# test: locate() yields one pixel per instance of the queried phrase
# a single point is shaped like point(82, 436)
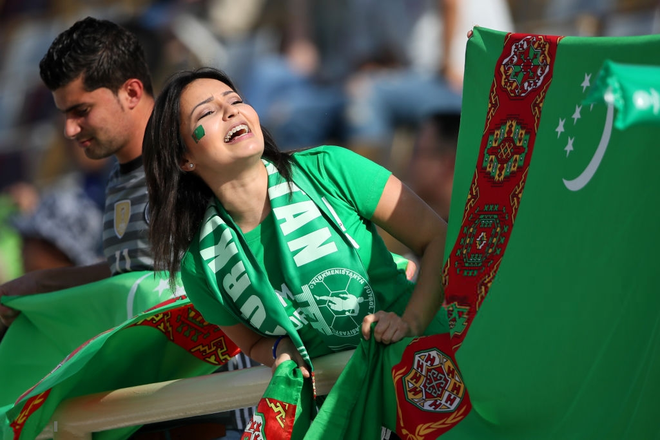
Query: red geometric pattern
point(430, 393)
point(522, 76)
point(186, 327)
point(273, 420)
point(32, 405)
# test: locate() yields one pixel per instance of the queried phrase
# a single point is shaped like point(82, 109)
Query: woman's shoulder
point(328, 157)
point(324, 152)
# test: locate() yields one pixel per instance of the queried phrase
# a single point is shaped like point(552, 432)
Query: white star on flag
point(586, 82)
point(560, 127)
point(576, 115)
point(162, 285)
point(569, 146)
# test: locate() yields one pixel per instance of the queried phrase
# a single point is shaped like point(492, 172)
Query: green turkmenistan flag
point(553, 244)
point(551, 259)
point(552, 253)
point(127, 330)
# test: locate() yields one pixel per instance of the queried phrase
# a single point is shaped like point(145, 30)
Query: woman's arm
point(260, 348)
point(410, 220)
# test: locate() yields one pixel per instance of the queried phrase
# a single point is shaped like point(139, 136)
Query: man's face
point(96, 120)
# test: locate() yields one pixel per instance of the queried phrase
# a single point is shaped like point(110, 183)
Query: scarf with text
point(319, 264)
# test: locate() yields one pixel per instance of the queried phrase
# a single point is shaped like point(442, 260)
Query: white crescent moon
point(580, 181)
point(131, 296)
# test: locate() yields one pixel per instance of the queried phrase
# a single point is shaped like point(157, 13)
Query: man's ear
point(133, 90)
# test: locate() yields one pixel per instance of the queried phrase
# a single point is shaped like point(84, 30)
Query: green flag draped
point(128, 343)
point(552, 244)
point(285, 409)
point(57, 323)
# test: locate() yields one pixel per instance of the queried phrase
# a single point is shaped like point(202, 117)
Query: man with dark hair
point(100, 81)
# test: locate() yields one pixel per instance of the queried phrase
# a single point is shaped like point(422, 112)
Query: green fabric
point(56, 323)
point(565, 344)
point(99, 340)
point(633, 89)
point(359, 412)
point(371, 394)
point(330, 175)
point(285, 409)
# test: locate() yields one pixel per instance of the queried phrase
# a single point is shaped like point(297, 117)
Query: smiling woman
point(231, 131)
point(281, 250)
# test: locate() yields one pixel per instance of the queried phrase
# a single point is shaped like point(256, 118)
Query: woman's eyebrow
point(209, 99)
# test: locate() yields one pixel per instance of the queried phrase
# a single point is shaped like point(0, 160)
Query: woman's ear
point(186, 165)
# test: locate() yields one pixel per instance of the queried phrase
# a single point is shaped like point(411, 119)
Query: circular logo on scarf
point(344, 298)
point(433, 383)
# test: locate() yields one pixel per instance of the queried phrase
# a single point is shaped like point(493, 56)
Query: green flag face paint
point(198, 134)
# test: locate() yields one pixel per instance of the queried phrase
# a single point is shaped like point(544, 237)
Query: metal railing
point(79, 417)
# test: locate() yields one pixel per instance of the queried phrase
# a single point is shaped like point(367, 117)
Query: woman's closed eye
point(206, 113)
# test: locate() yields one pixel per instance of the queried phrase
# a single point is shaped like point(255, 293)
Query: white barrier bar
point(77, 418)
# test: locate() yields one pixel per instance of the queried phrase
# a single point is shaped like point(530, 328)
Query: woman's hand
point(285, 351)
point(390, 327)
point(403, 215)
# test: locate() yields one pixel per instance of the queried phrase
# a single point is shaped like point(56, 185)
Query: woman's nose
point(230, 111)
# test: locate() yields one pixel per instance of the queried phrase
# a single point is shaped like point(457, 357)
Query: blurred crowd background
point(382, 77)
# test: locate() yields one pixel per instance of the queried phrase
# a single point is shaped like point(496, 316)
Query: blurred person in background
point(426, 77)
point(63, 230)
point(296, 83)
point(431, 168)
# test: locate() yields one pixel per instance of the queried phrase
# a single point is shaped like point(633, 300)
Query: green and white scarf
point(319, 264)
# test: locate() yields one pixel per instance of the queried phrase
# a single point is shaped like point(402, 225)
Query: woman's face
point(218, 128)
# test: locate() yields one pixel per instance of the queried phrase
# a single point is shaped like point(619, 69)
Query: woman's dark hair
point(104, 53)
point(178, 200)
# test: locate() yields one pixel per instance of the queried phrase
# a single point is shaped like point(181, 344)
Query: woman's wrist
point(276, 346)
point(414, 324)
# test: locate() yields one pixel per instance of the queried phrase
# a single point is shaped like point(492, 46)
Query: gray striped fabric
point(125, 229)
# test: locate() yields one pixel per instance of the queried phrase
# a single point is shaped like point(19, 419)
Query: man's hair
point(104, 53)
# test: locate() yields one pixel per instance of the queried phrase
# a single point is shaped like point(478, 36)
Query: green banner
point(57, 323)
point(552, 246)
point(99, 337)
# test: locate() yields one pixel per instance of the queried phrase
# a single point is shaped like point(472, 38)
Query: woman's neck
point(246, 198)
